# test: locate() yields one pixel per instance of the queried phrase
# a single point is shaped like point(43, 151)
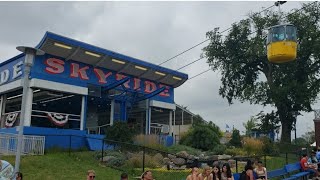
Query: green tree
point(247, 75)
point(309, 137)
point(250, 125)
point(202, 136)
point(268, 122)
point(235, 138)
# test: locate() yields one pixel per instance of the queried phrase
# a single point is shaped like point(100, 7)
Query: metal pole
point(30, 54)
point(143, 158)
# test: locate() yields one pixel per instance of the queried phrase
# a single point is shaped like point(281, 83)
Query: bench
point(277, 173)
point(293, 168)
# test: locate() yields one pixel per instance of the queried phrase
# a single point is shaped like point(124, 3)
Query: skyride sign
point(75, 73)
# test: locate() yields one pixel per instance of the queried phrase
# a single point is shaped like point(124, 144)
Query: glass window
point(278, 33)
point(269, 38)
point(291, 33)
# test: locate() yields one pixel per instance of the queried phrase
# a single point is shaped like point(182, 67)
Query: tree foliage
point(269, 122)
point(235, 138)
point(250, 125)
point(202, 136)
point(246, 74)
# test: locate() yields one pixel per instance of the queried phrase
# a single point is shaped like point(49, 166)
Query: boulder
point(224, 157)
point(107, 158)
point(166, 160)
point(183, 154)
point(179, 161)
point(170, 156)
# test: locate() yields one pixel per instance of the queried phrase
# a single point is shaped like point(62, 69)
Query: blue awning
point(71, 49)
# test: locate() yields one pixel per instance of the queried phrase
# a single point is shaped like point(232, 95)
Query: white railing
point(31, 145)
point(93, 130)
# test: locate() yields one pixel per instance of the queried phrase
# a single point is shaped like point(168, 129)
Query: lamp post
point(30, 53)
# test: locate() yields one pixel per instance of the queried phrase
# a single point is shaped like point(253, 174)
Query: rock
point(179, 161)
point(224, 157)
point(129, 155)
point(170, 156)
point(166, 160)
point(158, 158)
point(191, 157)
point(214, 157)
point(183, 154)
point(107, 158)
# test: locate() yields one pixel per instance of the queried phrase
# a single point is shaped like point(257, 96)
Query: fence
point(135, 159)
point(31, 145)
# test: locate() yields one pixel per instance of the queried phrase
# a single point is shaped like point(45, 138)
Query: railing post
point(143, 158)
point(102, 149)
point(69, 144)
point(236, 165)
point(286, 158)
point(265, 161)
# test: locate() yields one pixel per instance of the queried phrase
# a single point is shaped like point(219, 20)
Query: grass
point(59, 165)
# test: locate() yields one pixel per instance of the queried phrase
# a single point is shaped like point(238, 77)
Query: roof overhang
point(70, 49)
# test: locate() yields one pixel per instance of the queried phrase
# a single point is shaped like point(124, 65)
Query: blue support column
point(123, 113)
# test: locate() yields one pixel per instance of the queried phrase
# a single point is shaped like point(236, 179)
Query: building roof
point(71, 49)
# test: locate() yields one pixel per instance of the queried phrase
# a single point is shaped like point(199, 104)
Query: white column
point(174, 122)
point(3, 100)
point(27, 117)
point(149, 124)
point(112, 112)
point(170, 123)
point(83, 114)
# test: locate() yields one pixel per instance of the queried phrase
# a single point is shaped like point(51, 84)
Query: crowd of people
point(224, 173)
point(311, 164)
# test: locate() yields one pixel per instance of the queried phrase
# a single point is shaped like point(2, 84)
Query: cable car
point(282, 43)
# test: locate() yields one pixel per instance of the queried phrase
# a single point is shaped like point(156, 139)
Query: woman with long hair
point(194, 174)
point(206, 174)
point(249, 170)
point(216, 173)
point(226, 172)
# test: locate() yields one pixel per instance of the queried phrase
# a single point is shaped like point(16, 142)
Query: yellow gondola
point(282, 43)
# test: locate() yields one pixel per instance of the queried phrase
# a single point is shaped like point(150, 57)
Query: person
point(261, 171)
point(313, 160)
point(147, 175)
point(206, 174)
point(91, 174)
point(226, 172)
point(307, 166)
point(194, 174)
point(249, 170)
point(318, 154)
point(6, 170)
point(18, 176)
point(124, 176)
point(216, 173)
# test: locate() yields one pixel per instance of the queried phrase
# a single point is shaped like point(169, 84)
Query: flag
point(227, 126)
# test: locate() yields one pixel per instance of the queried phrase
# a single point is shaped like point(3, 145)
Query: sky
point(150, 31)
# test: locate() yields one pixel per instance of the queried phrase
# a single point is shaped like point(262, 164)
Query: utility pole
point(30, 53)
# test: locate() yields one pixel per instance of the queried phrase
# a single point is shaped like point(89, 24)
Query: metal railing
point(31, 145)
point(93, 130)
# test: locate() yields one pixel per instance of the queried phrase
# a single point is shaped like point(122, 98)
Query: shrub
point(269, 148)
point(201, 136)
point(252, 146)
point(235, 152)
point(236, 139)
point(120, 131)
point(177, 148)
point(136, 161)
point(219, 149)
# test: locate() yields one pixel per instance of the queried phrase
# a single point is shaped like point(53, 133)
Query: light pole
point(30, 53)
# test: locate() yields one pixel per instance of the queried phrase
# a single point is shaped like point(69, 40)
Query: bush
point(120, 131)
point(235, 152)
point(177, 148)
point(136, 161)
point(201, 136)
point(236, 139)
point(269, 148)
point(252, 146)
point(219, 149)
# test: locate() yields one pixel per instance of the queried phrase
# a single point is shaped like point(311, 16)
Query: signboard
point(75, 73)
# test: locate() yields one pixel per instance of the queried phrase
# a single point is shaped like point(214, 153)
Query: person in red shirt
point(308, 167)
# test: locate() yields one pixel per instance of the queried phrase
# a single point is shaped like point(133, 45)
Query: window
point(291, 33)
point(278, 33)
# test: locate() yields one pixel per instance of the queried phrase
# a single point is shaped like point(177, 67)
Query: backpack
point(243, 175)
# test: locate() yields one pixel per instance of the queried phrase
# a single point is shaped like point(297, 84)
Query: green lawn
point(60, 166)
